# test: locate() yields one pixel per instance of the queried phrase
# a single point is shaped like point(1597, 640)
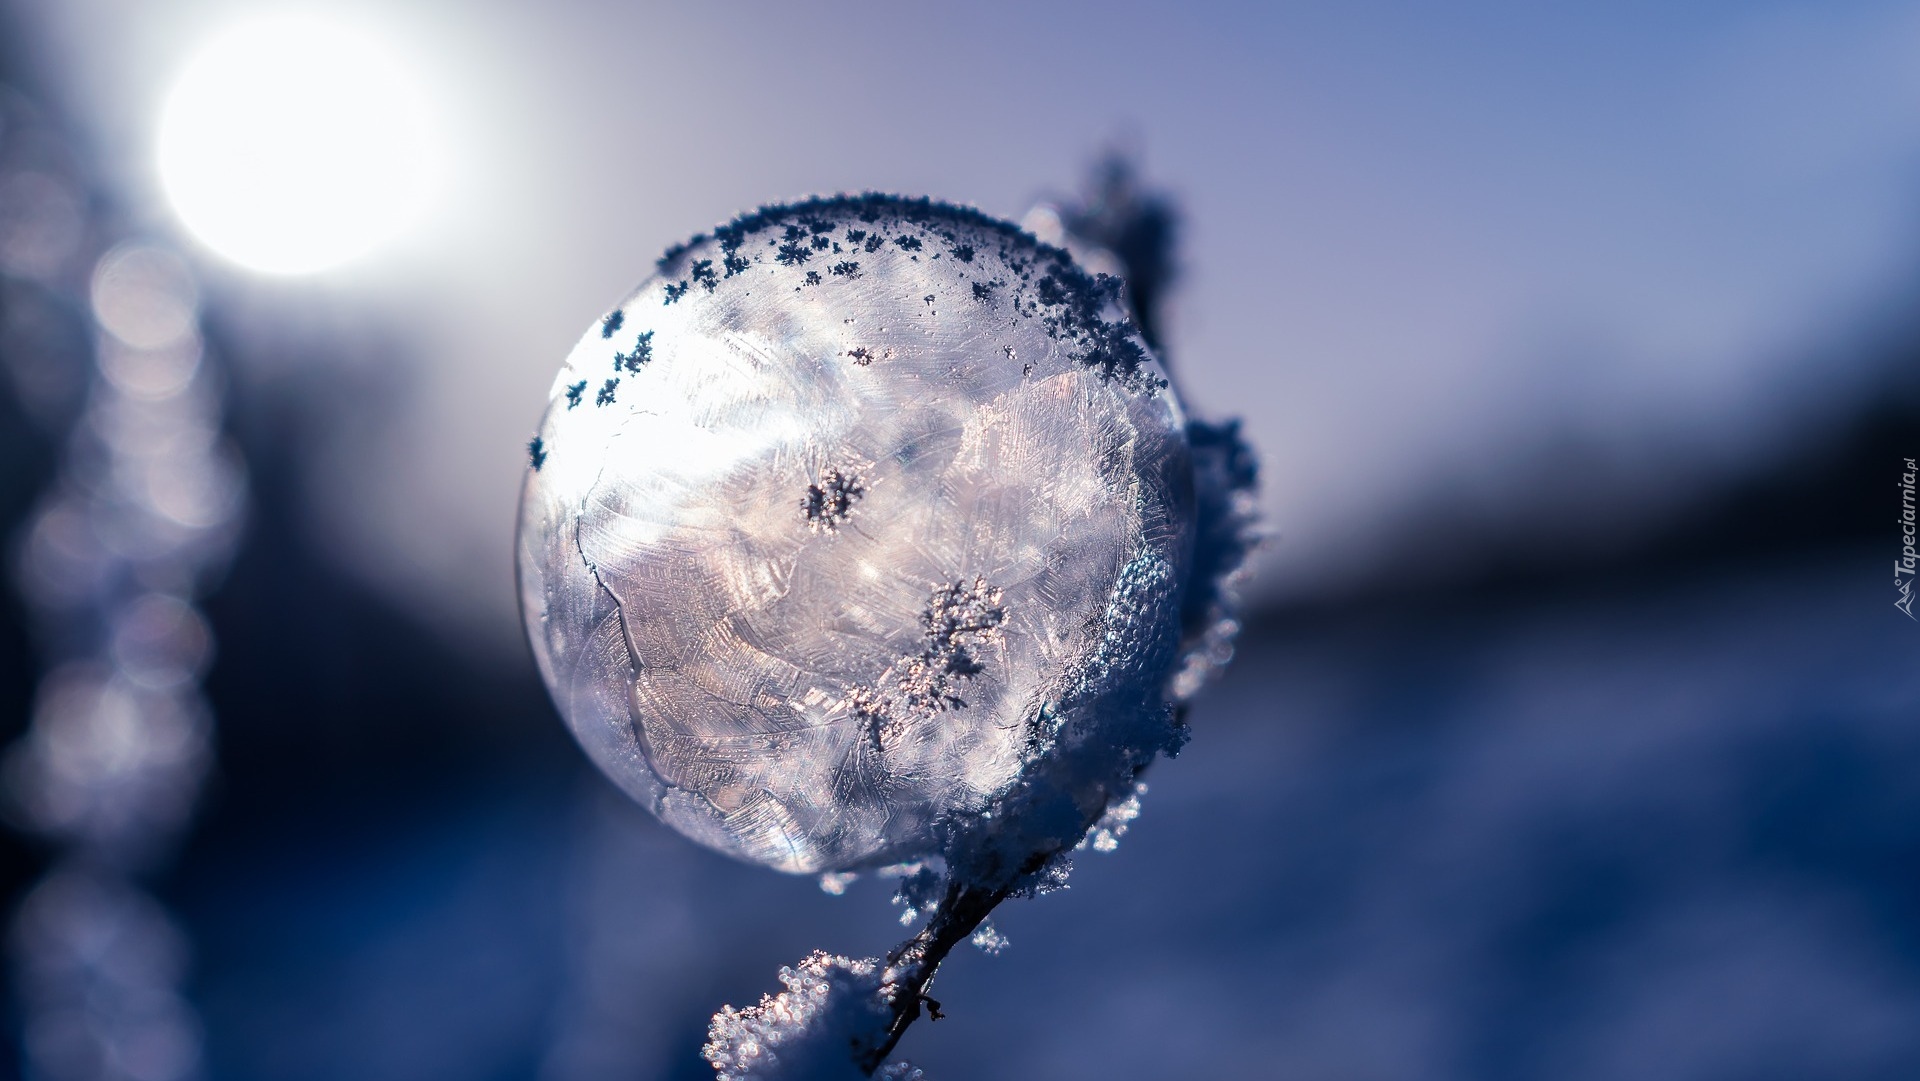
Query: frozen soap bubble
point(861, 532)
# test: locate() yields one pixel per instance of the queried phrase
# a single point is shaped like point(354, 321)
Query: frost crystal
point(919, 892)
point(1106, 833)
point(988, 939)
point(835, 883)
point(879, 547)
point(830, 1004)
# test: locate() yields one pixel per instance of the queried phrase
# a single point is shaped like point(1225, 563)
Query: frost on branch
point(1106, 833)
point(921, 885)
point(834, 1010)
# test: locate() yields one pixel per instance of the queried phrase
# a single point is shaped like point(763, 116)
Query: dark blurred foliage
point(1833, 490)
point(29, 455)
point(1138, 225)
point(333, 700)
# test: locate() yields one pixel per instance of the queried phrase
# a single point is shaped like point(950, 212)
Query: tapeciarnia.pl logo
point(1903, 567)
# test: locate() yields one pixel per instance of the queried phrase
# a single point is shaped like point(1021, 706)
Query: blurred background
point(1575, 730)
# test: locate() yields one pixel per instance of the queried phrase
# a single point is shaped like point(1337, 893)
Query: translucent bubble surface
point(843, 522)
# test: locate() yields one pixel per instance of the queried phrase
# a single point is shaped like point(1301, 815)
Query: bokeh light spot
point(292, 144)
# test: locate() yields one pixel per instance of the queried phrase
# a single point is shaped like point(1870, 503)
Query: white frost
point(831, 1004)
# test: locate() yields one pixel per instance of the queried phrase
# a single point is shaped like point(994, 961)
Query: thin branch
point(911, 965)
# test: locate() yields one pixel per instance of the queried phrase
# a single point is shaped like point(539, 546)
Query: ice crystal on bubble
point(830, 502)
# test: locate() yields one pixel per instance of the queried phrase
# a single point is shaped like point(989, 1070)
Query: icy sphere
point(862, 520)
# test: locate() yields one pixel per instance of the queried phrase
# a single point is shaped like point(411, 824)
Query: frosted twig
point(912, 964)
